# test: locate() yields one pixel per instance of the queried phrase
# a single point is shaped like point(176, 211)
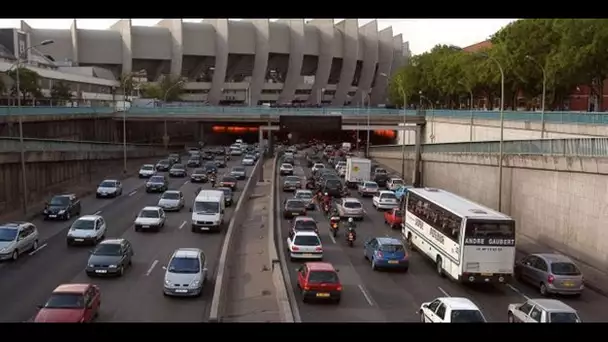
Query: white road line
point(97, 212)
point(151, 267)
point(186, 182)
point(37, 249)
point(444, 291)
point(132, 193)
point(182, 225)
point(333, 239)
point(368, 298)
point(514, 289)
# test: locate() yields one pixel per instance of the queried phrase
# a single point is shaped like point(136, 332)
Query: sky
point(422, 34)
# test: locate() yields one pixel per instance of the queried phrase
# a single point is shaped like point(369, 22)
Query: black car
point(208, 155)
point(163, 165)
point(220, 162)
point(381, 176)
point(62, 207)
point(210, 167)
point(178, 170)
point(227, 195)
point(229, 182)
point(157, 184)
point(199, 176)
point(293, 207)
point(333, 187)
point(194, 162)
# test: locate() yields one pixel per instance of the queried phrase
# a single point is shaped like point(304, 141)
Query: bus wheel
point(439, 266)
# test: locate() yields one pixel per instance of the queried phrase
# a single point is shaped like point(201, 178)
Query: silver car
point(542, 311)
point(551, 273)
point(171, 200)
point(17, 238)
point(109, 188)
point(248, 161)
point(238, 172)
point(186, 273)
point(305, 196)
point(368, 189)
point(350, 207)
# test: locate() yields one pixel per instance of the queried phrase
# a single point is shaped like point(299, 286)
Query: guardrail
point(583, 147)
point(47, 110)
point(12, 144)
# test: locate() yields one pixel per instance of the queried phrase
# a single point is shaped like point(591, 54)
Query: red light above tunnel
point(234, 129)
point(386, 133)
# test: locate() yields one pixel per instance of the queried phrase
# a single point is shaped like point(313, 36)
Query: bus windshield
point(490, 232)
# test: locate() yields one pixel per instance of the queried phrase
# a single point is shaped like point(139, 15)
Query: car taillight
point(379, 254)
point(339, 288)
point(319, 249)
point(294, 248)
point(550, 279)
point(306, 288)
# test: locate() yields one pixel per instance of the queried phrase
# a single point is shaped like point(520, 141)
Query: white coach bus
point(467, 241)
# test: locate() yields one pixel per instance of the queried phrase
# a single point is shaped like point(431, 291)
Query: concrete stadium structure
point(250, 61)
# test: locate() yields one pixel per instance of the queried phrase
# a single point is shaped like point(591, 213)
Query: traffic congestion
point(363, 245)
point(124, 252)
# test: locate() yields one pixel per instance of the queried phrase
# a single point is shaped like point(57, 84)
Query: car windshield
point(287, 166)
point(227, 191)
point(323, 277)
point(379, 170)
point(307, 240)
point(333, 183)
point(65, 301)
point(295, 205)
point(565, 269)
point(206, 207)
point(371, 185)
point(107, 184)
point(229, 180)
point(198, 172)
point(171, 195)
point(59, 201)
point(319, 166)
point(306, 225)
point(173, 155)
point(157, 179)
point(397, 181)
point(564, 317)
point(8, 234)
point(304, 195)
point(352, 205)
point(107, 249)
point(149, 214)
point(84, 225)
point(238, 169)
point(392, 248)
point(184, 265)
point(148, 168)
point(164, 162)
point(292, 179)
point(388, 196)
point(467, 316)
point(178, 166)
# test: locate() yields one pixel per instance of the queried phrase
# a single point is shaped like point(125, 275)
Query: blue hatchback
point(386, 252)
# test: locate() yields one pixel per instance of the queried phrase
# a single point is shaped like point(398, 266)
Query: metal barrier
point(584, 147)
point(11, 144)
point(44, 110)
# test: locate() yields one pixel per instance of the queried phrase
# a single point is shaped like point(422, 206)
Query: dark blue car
point(386, 252)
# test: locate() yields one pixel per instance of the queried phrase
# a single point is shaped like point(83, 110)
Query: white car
point(109, 188)
point(385, 200)
point(147, 171)
point(248, 161)
point(150, 218)
point(450, 310)
point(235, 152)
point(340, 163)
point(305, 245)
point(286, 169)
point(317, 166)
point(394, 184)
point(88, 229)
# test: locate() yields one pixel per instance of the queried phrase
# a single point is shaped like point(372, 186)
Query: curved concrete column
point(260, 62)
point(350, 50)
point(326, 57)
point(296, 58)
point(369, 35)
point(221, 60)
point(124, 27)
point(385, 61)
point(177, 44)
point(398, 57)
point(74, 36)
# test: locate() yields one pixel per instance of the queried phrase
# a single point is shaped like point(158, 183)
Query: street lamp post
point(21, 143)
point(404, 94)
point(166, 135)
point(502, 126)
point(123, 83)
point(468, 88)
point(364, 96)
point(422, 97)
point(542, 102)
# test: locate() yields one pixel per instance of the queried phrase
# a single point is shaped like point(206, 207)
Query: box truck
point(357, 170)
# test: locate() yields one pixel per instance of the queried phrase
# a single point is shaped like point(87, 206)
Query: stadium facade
point(224, 61)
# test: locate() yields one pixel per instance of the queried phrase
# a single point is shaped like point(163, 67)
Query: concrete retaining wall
point(561, 202)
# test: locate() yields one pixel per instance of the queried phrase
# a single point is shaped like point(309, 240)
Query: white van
point(208, 211)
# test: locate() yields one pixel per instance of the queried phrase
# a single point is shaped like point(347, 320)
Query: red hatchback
point(71, 303)
point(319, 280)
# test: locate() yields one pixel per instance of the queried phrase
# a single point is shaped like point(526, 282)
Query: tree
point(169, 88)
point(61, 91)
point(28, 82)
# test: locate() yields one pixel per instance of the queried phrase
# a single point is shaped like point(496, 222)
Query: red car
point(394, 218)
point(71, 303)
point(319, 280)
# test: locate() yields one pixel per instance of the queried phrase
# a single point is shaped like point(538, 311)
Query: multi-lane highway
point(385, 296)
point(137, 296)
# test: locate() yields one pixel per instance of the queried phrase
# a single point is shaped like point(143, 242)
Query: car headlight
point(91, 265)
point(195, 283)
point(112, 266)
point(4, 249)
point(61, 212)
point(167, 282)
point(45, 211)
point(216, 222)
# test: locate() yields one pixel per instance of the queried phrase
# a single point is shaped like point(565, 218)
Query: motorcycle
point(350, 238)
point(326, 208)
point(212, 181)
point(310, 185)
point(334, 224)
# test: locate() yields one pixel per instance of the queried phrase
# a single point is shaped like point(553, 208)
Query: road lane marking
point(151, 267)
point(333, 239)
point(186, 182)
point(368, 298)
point(514, 289)
point(132, 193)
point(182, 225)
point(37, 249)
point(97, 212)
point(444, 291)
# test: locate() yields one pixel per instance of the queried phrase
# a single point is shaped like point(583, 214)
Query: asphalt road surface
point(391, 296)
point(135, 297)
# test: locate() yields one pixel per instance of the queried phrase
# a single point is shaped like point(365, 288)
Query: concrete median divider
point(219, 290)
point(278, 277)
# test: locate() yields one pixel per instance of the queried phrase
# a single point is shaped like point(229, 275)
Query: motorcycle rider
point(351, 228)
point(212, 179)
point(310, 182)
point(327, 201)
